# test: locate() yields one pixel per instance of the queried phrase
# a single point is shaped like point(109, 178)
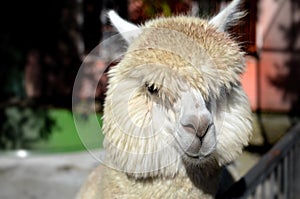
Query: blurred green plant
point(23, 126)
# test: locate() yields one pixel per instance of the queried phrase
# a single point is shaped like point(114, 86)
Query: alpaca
point(175, 112)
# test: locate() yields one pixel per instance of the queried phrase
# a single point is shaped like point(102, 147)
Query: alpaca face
point(153, 119)
point(175, 98)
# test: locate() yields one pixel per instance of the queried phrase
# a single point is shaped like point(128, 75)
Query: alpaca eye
point(152, 89)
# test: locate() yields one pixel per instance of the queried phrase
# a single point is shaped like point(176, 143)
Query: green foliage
point(22, 126)
point(49, 130)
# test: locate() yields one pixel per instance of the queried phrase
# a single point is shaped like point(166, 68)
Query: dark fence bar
point(276, 175)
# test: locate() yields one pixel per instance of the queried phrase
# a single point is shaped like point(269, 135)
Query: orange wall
point(279, 57)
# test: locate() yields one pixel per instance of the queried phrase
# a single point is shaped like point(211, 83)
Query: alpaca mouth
point(200, 144)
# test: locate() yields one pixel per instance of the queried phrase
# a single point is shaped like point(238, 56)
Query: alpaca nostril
point(190, 123)
point(201, 135)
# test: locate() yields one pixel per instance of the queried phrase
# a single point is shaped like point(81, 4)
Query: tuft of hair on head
point(229, 16)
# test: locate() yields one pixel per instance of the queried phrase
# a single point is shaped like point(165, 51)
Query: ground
point(56, 176)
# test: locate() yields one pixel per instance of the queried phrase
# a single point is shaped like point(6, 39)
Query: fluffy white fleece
point(175, 111)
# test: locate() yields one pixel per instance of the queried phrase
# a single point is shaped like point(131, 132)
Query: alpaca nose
point(195, 117)
point(197, 123)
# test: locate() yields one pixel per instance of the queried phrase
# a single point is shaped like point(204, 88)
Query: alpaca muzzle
point(196, 130)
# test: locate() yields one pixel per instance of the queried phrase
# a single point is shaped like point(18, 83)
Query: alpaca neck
point(194, 184)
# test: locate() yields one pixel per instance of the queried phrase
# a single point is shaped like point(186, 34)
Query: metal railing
point(276, 175)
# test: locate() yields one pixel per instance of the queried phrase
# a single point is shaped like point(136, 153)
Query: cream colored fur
point(175, 112)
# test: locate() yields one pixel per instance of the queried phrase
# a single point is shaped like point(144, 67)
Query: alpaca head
point(175, 98)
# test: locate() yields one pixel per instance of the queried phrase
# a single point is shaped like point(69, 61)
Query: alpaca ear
point(228, 16)
point(128, 30)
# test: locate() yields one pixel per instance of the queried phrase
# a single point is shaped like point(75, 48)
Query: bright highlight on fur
point(175, 112)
